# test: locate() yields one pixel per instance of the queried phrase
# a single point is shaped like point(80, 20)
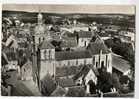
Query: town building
point(95, 53)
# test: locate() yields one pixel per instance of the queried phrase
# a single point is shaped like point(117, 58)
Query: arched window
point(68, 63)
point(43, 38)
point(102, 64)
point(96, 64)
point(85, 61)
point(50, 54)
point(45, 56)
point(39, 40)
point(76, 62)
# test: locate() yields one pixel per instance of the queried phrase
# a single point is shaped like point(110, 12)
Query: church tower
point(40, 18)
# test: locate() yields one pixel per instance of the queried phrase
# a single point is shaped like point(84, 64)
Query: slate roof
point(46, 45)
point(84, 71)
point(67, 55)
point(85, 34)
point(95, 48)
point(120, 64)
point(65, 82)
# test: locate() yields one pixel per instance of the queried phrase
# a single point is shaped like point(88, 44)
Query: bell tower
point(40, 18)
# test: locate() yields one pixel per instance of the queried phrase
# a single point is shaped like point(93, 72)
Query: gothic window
point(50, 54)
point(108, 63)
point(45, 56)
point(93, 60)
point(39, 40)
point(97, 64)
point(76, 62)
point(84, 61)
point(68, 63)
point(85, 43)
point(43, 38)
point(102, 64)
point(24, 69)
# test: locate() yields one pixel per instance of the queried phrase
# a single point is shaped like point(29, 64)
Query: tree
point(124, 79)
point(48, 85)
point(116, 81)
point(76, 92)
point(104, 81)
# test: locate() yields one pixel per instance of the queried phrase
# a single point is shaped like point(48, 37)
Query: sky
point(93, 9)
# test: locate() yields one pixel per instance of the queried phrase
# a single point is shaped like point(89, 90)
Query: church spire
point(40, 18)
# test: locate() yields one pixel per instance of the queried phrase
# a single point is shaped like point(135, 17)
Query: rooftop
point(84, 71)
point(67, 55)
point(46, 45)
point(69, 43)
point(95, 48)
point(85, 34)
point(120, 64)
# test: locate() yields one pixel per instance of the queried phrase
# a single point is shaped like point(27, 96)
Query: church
point(94, 52)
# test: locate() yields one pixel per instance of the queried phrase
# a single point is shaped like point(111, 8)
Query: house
point(87, 77)
point(127, 36)
point(10, 57)
point(26, 71)
point(84, 38)
point(68, 43)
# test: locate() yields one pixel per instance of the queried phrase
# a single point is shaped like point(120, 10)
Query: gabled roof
point(46, 45)
point(84, 71)
point(67, 55)
point(85, 34)
point(95, 48)
point(65, 82)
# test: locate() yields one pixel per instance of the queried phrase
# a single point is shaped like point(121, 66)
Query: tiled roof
point(84, 71)
point(85, 34)
point(65, 82)
point(46, 45)
point(67, 55)
point(95, 48)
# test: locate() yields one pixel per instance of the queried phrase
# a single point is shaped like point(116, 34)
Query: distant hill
point(119, 19)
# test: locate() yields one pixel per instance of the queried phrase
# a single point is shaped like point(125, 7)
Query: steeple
point(40, 18)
